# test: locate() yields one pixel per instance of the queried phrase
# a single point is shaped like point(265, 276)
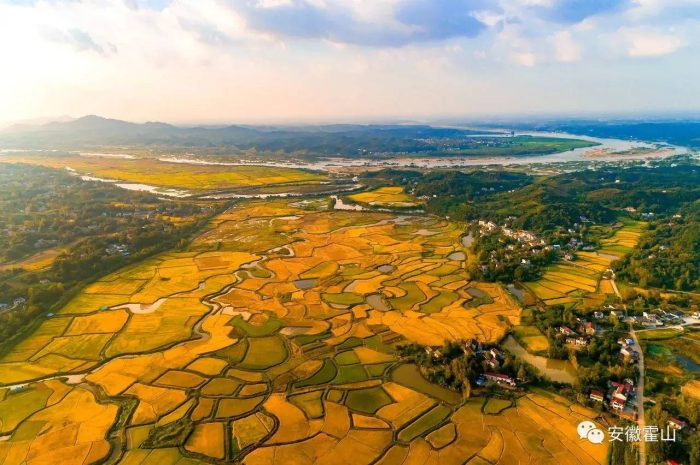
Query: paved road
point(639, 399)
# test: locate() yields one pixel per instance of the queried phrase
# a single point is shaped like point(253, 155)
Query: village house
point(617, 404)
point(676, 423)
point(492, 361)
point(621, 392)
point(588, 327)
point(597, 396)
point(578, 341)
point(629, 352)
point(499, 378)
point(566, 331)
point(473, 345)
point(433, 352)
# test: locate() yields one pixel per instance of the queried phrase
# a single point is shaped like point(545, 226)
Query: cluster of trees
point(599, 362)
point(42, 208)
point(453, 369)
point(349, 140)
point(504, 259)
point(463, 186)
point(667, 256)
point(84, 218)
point(686, 447)
point(547, 321)
point(457, 370)
point(555, 202)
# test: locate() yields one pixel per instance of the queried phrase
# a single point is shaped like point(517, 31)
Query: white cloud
point(201, 60)
point(525, 58)
point(565, 48)
point(647, 43)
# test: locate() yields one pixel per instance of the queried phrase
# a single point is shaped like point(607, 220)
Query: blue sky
point(335, 60)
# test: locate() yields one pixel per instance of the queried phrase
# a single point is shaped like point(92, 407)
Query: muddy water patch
point(340, 205)
point(457, 256)
point(293, 330)
point(560, 371)
point(467, 240)
point(386, 269)
point(425, 232)
point(517, 292)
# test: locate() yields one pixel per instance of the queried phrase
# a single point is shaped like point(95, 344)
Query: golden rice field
point(385, 196)
point(276, 351)
point(580, 280)
point(37, 262)
point(692, 389)
point(177, 175)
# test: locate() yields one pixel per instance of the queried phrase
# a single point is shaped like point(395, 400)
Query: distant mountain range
point(345, 139)
point(338, 139)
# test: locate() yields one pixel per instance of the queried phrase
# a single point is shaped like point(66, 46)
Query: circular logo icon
point(596, 436)
point(584, 427)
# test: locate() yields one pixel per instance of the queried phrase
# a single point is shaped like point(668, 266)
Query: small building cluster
point(17, 302)
point(627, 352)
point(493, 358)
point(618, 395)
point(497, 378)
point(117, 249)
point(521, 235)
point(581, 337)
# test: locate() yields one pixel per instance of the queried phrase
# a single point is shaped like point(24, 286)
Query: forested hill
point(58, 232)
point(668, 255)
point(346, 140)
point(666, 196)
point(545, 203)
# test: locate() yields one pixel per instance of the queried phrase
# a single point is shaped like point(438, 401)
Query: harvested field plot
point(385, 196)
point(174, 175)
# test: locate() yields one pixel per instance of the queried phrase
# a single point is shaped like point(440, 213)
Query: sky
point(258, 61)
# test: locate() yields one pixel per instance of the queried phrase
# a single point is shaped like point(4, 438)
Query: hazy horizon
point(315, 61)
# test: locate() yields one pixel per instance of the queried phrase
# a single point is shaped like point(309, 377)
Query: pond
point(457, 256)
point(517, 292)
point(386, 269)
point(467, 240)
point(560, 371)
point(340, 205)
point(687, 363)
point(305, 283)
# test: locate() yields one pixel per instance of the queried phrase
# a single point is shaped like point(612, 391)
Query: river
point(326, 164)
